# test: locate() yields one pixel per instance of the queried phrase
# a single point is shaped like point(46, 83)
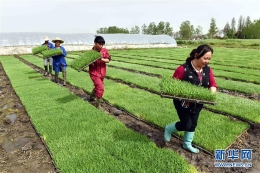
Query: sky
point(86, 16)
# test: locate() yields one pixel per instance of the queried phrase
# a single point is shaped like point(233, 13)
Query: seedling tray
point(189, 100)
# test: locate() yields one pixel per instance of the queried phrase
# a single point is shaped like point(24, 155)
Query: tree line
point(151, 29)
point(245, 28)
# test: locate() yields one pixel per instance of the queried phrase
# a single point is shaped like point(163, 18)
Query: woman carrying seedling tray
point(197, 72)
point(59, 62)
point(97, 70)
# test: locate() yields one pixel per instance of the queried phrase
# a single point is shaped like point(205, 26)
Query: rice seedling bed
point(237, 86)
point(217, 73)
point(77, 133)
point(142, 107)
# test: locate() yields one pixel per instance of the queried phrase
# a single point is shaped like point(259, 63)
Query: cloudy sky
point(87, 15)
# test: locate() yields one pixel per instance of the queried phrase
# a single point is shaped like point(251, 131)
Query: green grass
point(218, 73)
point(243, 87)
point(248, 109)
point(82, 138)
point(51, 52)
point(230, 43)
point(39, 49)
point(153, 108)
point(85, 59)
point(254, 72)
point(246, 58)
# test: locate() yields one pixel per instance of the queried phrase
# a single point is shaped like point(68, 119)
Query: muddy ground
point(21, 150)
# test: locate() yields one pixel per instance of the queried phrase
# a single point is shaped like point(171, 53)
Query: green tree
point(112, 30)
point(102, 31)
point(135, 30)
point(227, 31)
point(240, 27)
point(177, 35)
point(152, 29)
point(233, 27)
point(253, 30)
point(186, 30)
point(144, 29)
point(198, 31)
point(248, 22)
point(160, 28)
point(168, 29)
point(213, 29)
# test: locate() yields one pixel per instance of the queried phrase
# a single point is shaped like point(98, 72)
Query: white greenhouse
point(22, 43)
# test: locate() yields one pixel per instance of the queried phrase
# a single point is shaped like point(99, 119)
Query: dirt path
point(21, 150)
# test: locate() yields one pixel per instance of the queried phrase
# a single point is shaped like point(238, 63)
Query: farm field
point(72, 126)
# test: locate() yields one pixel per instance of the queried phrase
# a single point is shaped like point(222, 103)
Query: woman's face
point(205, 59)
point(57, 44)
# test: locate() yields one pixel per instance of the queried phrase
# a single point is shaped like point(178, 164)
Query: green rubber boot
point(64, 77)
point(169, 129)
point(97, 103)
point(188, 138)
point(50, 70)
point(46, 70)
point(56, 77)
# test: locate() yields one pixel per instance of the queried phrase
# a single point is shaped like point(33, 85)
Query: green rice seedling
point(175, 88)
point(39, 49)
point(51, 52)
point(85, 59)
point(113, 146)
point(158, 111)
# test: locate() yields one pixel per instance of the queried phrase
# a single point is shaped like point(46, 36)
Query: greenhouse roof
point(33, 38)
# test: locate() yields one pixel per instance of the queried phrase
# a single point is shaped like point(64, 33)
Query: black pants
point(188, 115)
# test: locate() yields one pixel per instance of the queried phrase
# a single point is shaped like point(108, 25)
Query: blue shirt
point(50, 45)
point(59, 60)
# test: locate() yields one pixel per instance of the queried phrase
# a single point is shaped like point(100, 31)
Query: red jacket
point(98, 68)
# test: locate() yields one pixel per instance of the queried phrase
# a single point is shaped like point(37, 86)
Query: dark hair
point(201, 50)
point(99, 39)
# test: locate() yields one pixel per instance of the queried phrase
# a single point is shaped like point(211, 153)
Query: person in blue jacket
point(47, 61)
point(59, 62)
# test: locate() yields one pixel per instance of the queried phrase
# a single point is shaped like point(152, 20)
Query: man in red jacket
point(97, 70)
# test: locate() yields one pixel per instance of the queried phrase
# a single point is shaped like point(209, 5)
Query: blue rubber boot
point(188, 138)
point(169, 129)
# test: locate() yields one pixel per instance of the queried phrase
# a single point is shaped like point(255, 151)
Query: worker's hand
point(105, 60)
point(213, 89)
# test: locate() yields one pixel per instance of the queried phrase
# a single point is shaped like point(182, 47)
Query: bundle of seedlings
point(85, 60)
point(51, 52)
point(39, 49)
point(182, 90)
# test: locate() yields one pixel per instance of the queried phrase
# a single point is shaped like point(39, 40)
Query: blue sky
point(86, 16)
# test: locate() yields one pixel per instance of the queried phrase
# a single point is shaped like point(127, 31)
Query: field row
point(77, 133)
point(226, 103)
point(159, 69)
point(174, 62)
point(153, 108)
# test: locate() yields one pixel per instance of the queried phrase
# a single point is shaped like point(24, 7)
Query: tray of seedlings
point(39, 49)
point(85, 60)
point(51, 52)
point(182, 90)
